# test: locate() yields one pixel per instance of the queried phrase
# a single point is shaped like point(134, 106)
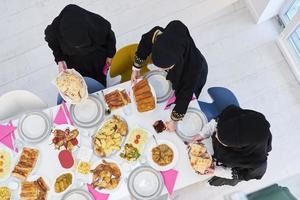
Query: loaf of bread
point(144, 98)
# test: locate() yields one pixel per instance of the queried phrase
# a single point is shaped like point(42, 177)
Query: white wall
point(262, 10)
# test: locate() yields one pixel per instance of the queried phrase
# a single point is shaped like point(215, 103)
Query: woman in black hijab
point(82, 40)
point(241, 142)
point(173, 49)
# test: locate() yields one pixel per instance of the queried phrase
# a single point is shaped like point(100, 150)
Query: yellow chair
point(122, 63)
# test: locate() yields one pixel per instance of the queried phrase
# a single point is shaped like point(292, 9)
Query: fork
point(155, 139)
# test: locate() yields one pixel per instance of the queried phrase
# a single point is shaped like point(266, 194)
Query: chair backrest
point(19, 101)
point(93, 85)
point(122, 63)
point(222, 97)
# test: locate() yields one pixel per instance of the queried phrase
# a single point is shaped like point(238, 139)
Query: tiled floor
point(242, 56)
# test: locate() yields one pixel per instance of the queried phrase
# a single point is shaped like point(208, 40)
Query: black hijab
point(247, 136)
point(74, 27)
point(176, 46)
point(82, 31)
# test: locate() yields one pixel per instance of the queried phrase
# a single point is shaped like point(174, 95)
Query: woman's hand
point(197, 138)
point(135, 75)
point(108, 61)
point(171, 126)
point(62, 66)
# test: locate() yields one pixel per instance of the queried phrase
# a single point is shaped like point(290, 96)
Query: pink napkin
point(97, 195)
point(172, 100)
point(67, 113)
point(170, 177)
point(6, 130)
point(7, 136)
point(60, 117)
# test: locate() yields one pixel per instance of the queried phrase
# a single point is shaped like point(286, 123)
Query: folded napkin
point(170, 177)
point(97, 195)
point(172, 100)
point(60, 117)
point(7, 136)
point(63, 115)
point(67, 113)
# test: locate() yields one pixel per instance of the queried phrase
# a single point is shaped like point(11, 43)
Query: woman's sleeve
point(111, 44)
point(209, 129)
point(52, 40)
point(183, 98)
point(145, 46)
point(247, 174)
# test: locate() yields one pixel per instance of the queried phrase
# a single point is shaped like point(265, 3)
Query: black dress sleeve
point(145, 46)
point(251, 173)
point(111, 44)
point(183, 98)
point(51, 37)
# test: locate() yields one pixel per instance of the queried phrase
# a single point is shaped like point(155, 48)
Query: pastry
point(29, 191)
point(26, 163)
point(143, 96)
point(36, 190)
point(199, 157)
point(117, 99)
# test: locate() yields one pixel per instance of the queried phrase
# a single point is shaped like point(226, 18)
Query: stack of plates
point(88, 113)
point(34, 127)
point(145, 183)
point(191, 125)
point(162, 87)
point(77, 194)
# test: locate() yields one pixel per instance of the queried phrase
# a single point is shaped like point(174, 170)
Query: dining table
point(49, 167)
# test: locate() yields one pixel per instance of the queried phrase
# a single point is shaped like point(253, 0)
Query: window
point(294, 40)
point(289, 11)
point(289, 39)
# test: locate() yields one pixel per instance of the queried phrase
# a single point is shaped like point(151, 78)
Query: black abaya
point(83, 39)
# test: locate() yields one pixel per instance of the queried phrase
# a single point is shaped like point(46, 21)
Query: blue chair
point(222, 97)
point(92, 86)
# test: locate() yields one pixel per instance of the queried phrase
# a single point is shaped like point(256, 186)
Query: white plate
point(156, 166)
point(123, 137)
point(162, 86)
point(77, 194)
point(34, 126)
point(134, 103)
point(145, 183)
point(191, 124)
point(67, 99)
point(121, 178)
point(88, 113)
point(64, 127)
point(10, 167)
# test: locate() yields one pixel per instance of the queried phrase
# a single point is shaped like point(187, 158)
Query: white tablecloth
point(49, 167)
